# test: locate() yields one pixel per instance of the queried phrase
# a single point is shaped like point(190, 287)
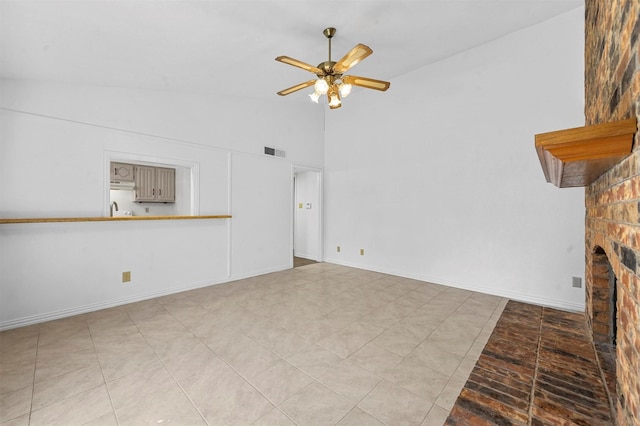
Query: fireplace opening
point(603, 321)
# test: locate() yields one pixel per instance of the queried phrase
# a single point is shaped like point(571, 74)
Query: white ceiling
point(220, 46)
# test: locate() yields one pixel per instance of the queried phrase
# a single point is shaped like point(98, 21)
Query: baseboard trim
point(540, 301)
point(63, 313)
point(261, 272)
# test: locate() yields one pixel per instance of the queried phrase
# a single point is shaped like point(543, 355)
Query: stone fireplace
point(612, 93)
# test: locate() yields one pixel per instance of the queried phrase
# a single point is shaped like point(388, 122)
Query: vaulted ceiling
point(228, 47)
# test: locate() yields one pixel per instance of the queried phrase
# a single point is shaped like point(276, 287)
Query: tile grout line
point(203, 341)
point(535, 372)
point(33, 383)
point(316, 380)
point(95, 351)
point(610, 399)
point(234, 369)
point(162, 361)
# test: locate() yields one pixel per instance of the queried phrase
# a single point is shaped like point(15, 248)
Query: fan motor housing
point(327, 69)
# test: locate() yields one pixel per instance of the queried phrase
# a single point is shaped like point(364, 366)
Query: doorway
point(307, 216)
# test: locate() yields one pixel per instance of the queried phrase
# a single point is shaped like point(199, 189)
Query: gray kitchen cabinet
point(155, 184)
point(165, 185)
point(121, 172)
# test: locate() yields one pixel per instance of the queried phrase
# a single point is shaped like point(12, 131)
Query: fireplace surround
point(612, 201)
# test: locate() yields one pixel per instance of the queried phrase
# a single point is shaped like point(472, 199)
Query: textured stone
point(628, 258)
point(612, 92)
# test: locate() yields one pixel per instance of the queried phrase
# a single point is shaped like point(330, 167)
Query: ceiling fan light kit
point(331, 80)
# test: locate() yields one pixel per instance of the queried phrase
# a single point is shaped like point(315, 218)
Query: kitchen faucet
point(113, 203)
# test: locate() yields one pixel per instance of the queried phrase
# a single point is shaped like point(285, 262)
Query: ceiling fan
point(331, 80)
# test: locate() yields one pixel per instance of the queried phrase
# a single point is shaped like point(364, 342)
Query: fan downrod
point(328, 33)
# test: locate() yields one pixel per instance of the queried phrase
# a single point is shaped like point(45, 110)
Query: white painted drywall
point(438, 178)
point(54, 142)
point(307, 229)
point(261, 227)
point(234, 124)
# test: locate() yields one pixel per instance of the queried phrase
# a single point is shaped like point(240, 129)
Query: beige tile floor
point(318, 345)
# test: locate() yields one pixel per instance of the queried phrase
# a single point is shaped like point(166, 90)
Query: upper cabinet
point(165, 184)
point(121, 172)
point(155, 184)
point(145, 189)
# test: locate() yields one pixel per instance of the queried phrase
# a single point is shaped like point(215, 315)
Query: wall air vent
point(274, 152)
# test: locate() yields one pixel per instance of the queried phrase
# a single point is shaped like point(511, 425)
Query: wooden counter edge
point(108, 219)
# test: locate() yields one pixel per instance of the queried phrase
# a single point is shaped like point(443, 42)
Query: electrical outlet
point(126, 276)
point(338, 249)
point(361, 252)
point(577, 282)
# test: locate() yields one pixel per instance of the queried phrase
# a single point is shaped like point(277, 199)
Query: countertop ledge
point(109, 219)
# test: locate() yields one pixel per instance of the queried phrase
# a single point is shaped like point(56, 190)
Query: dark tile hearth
point(607, 357)
point(538, 368)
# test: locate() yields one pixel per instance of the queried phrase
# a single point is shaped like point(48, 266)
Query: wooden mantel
point(578, 156)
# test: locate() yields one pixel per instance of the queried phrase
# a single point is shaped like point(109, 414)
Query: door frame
point(305, 169)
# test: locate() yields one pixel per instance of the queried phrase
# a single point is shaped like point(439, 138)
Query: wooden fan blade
point(354, 56)
point(299, 64)
point(296, 87)
point(369, 83)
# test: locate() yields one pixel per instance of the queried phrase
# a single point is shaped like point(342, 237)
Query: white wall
point(438, 178)
point(262, 222)
point(307, 229)
point(54, 141)
point(234, 124)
